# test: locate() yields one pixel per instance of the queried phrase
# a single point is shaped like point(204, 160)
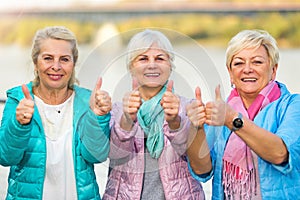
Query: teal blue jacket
point(23, 147)
point(281, 117)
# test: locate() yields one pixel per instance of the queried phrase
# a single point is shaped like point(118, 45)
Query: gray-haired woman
point(150, 129)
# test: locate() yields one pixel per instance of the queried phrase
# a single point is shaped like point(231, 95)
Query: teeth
point(152, 74)
point(55, 76)
point(249, 79)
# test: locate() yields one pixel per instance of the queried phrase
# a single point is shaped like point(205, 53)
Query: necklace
point(47, 100)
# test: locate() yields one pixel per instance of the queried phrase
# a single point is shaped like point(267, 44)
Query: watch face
point(238, 123)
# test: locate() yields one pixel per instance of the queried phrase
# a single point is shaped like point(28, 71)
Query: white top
point(57, 121)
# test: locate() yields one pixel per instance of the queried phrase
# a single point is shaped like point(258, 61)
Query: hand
point(216, 110)
point(170, 103)
point(196, 110)
point(25, 108)
point(100, 101)
point(131, 103)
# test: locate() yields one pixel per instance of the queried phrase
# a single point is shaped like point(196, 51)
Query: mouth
point(55, 76)
point(252, 80)
point(150, 75)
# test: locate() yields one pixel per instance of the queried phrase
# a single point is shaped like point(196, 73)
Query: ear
point(131, 71)
point(274, 71)
point(135, 84)
point(230, 75)
point(172, 66)
point(35, 70)
point(171, 69)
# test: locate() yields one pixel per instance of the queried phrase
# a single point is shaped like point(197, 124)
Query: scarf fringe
point(237, 181)
point(239, 173)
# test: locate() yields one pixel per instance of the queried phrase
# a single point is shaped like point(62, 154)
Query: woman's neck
point(147, 93)
point(52, 97)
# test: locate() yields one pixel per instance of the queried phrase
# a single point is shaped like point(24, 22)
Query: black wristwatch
point(237, 122)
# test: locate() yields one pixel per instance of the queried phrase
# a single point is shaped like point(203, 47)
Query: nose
point(152, 63)
point(56, 65)
point(248, 68)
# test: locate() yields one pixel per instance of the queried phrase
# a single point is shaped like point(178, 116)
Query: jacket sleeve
point(94, 132)
point(200, 177)
point(289, 131)
point(14, 137)
point(179, 137)
point(122, 142)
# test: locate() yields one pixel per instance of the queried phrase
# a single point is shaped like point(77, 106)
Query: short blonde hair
point(142, 41)
point(57, 33)
point(252, 39)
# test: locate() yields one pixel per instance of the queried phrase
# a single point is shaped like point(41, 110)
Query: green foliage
point(206, 28)
point(21, 32)
point(218, 29)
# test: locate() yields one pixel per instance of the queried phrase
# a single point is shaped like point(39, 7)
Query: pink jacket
point(127, 161)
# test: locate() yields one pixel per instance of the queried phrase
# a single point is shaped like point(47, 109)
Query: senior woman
point(150, 129)
point(253, 137)
point(53, 131)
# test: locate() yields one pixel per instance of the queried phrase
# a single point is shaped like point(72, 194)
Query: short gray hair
point(142, 41)
point(252, 39)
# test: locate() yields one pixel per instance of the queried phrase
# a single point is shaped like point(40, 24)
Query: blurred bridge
point(125, 10)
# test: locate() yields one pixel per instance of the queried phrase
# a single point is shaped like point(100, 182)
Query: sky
point(13, 4)
point(22, 4)
point(19, 5)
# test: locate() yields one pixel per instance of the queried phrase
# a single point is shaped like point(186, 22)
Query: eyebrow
point(163, 54)
point(49, 54)
point(256, 56)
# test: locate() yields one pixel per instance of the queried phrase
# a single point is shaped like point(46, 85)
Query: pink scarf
point(239, 175)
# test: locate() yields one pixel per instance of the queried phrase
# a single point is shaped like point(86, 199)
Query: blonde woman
point(53, 131)
point(254, 136)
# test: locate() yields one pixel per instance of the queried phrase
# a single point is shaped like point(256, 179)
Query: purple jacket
point(127, 161)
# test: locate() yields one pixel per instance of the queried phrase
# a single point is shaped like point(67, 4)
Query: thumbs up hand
point(131, 104)
point(196, 110)
point(170, 103)
point(100, 101)
point(216, 110)
point(25, 108)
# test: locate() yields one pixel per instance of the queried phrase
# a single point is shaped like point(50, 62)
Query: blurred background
point(101, 23)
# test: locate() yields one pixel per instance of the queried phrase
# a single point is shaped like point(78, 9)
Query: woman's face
point(151, 68)
point(250, 71)
point(55, 64)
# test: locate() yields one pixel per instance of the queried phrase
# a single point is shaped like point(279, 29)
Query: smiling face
point(152, 69)
point(250, 72)
point(55, 64)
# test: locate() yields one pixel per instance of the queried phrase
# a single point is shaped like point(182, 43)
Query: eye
point(237, 64)
point(47, 58)
point(257, 62)
point(161, 58)
point(143, 58)
point(65, 59)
